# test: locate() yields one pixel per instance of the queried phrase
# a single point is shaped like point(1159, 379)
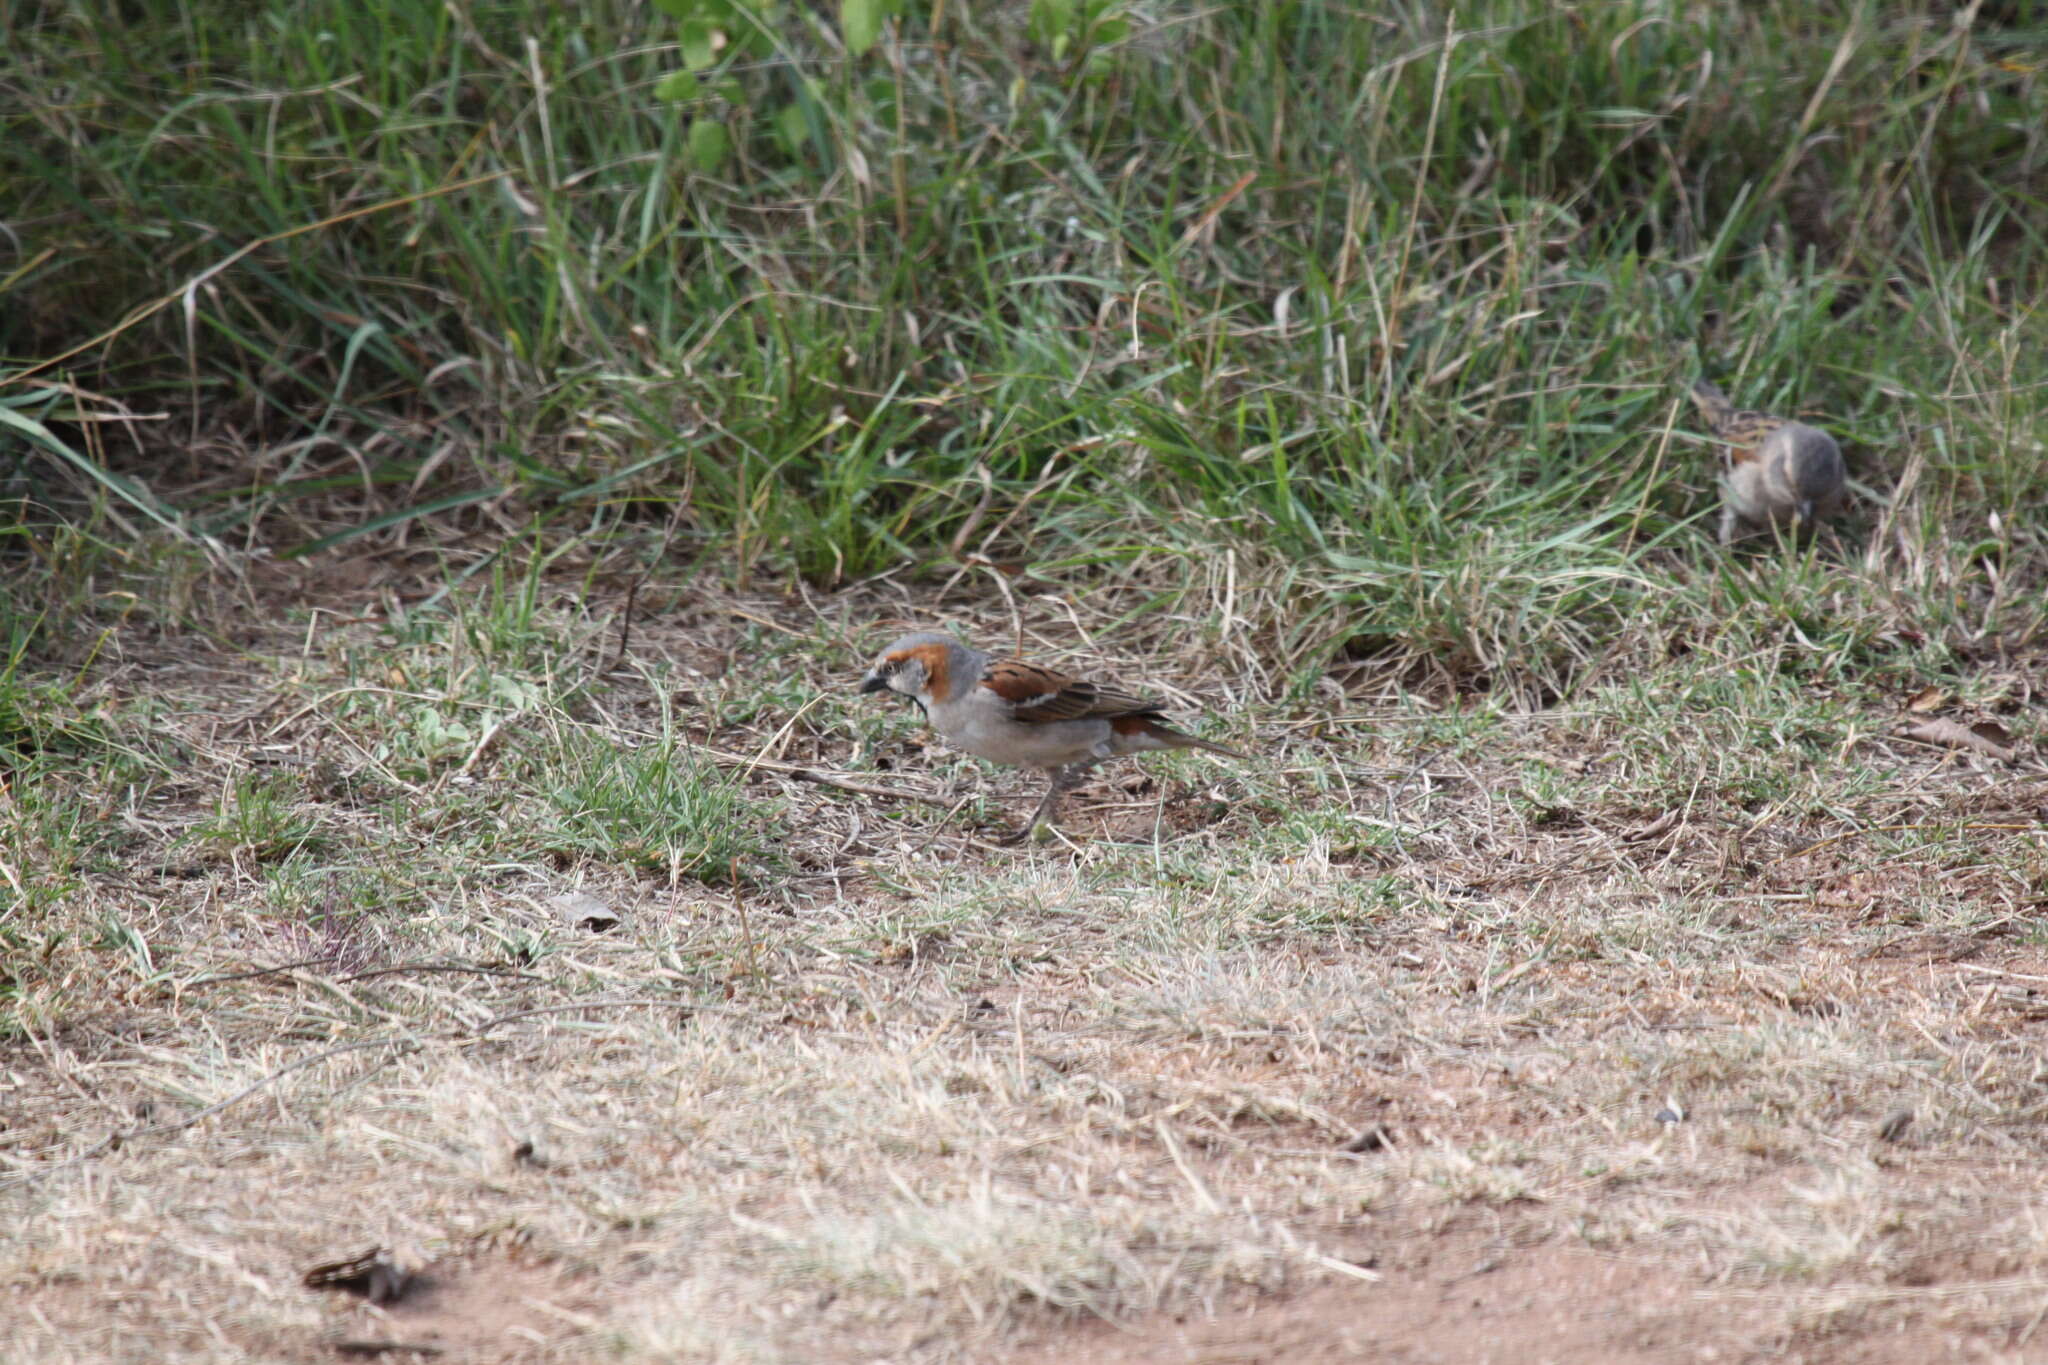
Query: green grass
point(262, 820)
point(657, 809)
point(953, 297)
point(454, 455)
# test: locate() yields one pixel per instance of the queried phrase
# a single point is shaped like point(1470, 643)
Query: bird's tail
point(1176, 739)
point(1142, 731)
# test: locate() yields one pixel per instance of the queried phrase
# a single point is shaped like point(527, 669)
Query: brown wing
point(1744, 431)
point(1040, 695)
point(1741, 428)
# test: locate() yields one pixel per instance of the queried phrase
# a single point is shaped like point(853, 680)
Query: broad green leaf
point(710, 144)
point(793, 126)
point(701, 40)
point(676, 85)
point(1051, 20)
point(860, 23)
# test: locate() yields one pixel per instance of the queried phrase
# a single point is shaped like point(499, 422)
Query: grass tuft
point(656, 808)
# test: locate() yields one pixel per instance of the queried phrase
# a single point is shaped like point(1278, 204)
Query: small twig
point(625, 624)
point(944, 822)
point(490, 737)
point(691, 1005)
point(782, 733)
point(822, 778)
point(848, 785)
point(1223, 202)
point(246, 1091)
point(441, 967)
point(362, 976)
point(260, 971)
point(1187, 1171)
point(1997, 971)
point(764, 621)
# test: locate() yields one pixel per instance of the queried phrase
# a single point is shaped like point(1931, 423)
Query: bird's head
point(924, 666)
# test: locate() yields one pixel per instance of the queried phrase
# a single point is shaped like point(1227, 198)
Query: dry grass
point(900, 1094)
point(1589, 967)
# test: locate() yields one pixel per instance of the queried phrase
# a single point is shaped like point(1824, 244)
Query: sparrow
point(1014, 712)
point(1774, 470)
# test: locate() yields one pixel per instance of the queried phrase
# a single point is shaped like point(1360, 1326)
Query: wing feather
point(1745, 433)
point(1039, 695)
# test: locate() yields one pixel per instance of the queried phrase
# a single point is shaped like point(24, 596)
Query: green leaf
point(675, 86)
point(710, 144)
point(701, 40)
point(1051, 20)
point(860, 23)
point(794, 127)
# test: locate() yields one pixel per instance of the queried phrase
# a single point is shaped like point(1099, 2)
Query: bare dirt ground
point(1691, 1020)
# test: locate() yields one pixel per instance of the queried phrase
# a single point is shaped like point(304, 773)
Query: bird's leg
point(1064, 780)
point(1055, 788)
point(1061, 781)
point(1046, 806)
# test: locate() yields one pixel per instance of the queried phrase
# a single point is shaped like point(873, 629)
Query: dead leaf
point(370, 1349)
point(1372, 1138)
point(1927, 699)
point(374, 1274)
point(582, 911)
point(1984, 738)
point(1994, 732)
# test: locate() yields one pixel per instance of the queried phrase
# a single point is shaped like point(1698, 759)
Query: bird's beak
point(873, 682)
